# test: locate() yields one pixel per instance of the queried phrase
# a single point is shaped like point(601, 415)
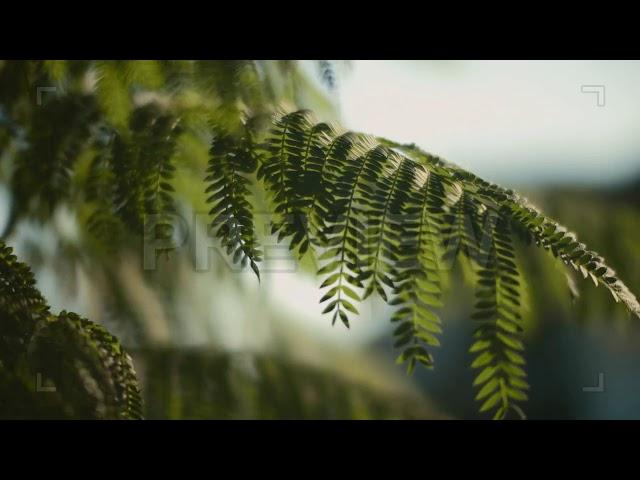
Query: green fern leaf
point(142, 161)
point(393, 179)
point(231, 160)
point(417, 274)
point(344, 233)
point(498, 342)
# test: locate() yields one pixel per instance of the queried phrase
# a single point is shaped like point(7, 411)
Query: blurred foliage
point(99, 139)
point(206, 385)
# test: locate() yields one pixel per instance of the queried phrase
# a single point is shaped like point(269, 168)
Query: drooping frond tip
point(231, 159)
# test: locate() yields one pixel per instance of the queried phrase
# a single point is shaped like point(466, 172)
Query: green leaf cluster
point(379, 218)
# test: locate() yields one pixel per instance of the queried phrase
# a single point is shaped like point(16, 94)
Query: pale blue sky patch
point(522, 122)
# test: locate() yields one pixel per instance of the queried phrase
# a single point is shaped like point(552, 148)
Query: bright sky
point(510, 121)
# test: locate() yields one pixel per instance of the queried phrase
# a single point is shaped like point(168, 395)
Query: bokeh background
point(216, 344)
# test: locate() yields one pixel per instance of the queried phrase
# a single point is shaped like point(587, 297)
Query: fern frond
point(344, 233)
point(323, 172)
point(417, 275)
point(143, 167)
point(117, 362)
point(158, 189)
point(311, 156)
point(384, 217)
point(93, 376)
point(59, 132)
point(17, 288)
point(21, 306)
point(392, 181)
point(281, 170)
point(392, 217)
point(230, 161)
point(463, 231)
point(100, 191)
point(559, 242)
point(530, 224)
point(498, 345)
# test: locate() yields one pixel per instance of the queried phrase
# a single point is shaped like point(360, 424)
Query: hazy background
point(525, 122)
